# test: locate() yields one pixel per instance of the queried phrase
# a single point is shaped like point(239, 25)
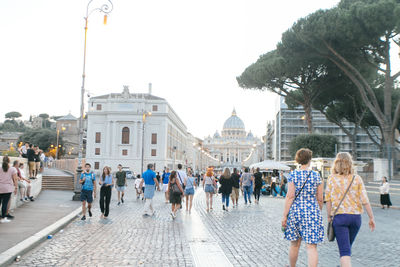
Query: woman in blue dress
point(302, 218)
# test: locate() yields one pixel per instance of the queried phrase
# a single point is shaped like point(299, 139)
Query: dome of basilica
point(233, 122)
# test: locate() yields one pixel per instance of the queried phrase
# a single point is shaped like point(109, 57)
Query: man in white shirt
point(23, 149)
point(182, 178)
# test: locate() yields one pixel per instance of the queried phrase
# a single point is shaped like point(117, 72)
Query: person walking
point(182, 176)
point(150, 180)
point(226, 183)
point(88, 192)
point(235, 187)
point(246, 182)
point(175, 190)
point(258, 182)
point(345, 209)
point(106, 183)
point(384, 190)
point(165, 180)
point(138, 181)
point(120, 176)
point(190, 184)
point(8, 185)
point(274, 180)
point(302, 216)
point(209, 186)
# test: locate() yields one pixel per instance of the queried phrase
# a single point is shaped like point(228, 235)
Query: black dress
point(385, 200)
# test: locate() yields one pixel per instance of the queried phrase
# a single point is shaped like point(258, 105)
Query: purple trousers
point(346, 227)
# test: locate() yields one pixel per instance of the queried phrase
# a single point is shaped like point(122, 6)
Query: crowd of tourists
point(345, 196)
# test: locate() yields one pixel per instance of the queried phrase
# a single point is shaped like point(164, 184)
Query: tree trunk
point(353, 139)
point(308, 114)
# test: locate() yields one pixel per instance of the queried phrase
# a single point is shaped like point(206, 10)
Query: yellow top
point(355, 198)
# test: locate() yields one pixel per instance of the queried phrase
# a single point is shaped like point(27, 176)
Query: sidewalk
point(32, 217)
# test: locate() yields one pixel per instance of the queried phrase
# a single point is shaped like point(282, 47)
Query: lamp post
point(58, 136)
point(106, 9)
point(144, 115)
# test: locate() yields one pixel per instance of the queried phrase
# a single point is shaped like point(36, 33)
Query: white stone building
point(235, 147)
point(115, 130)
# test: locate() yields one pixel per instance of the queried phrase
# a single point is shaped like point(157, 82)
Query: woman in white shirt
point(384, 190)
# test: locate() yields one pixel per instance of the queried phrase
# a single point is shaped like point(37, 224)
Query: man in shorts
point(88, 192)
point(30, 154)
point(120, 176)
point(150, 180)
point(165, 180)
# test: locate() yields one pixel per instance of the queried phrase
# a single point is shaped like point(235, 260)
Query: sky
point(190, 50)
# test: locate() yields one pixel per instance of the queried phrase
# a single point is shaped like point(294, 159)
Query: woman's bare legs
point(294, 252)
point(208, 200)
point(345, 261)
point(187, 204)
point(312, 254)
point(190, 205)
point(211, 196)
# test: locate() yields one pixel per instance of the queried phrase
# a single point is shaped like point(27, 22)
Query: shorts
point(87, 195)
point(121, 188)
point(209, 188)
point(32, 166)
point(22, 184)
point(175, 198)
point(165, 188)
point(189, 191)
point(37, 163)
point(235, 192)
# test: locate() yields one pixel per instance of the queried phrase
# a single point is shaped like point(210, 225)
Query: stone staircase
point(55, 179)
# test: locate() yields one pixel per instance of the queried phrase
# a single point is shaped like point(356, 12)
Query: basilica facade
point(234, 147)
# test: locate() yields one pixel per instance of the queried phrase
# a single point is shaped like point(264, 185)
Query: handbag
point(330, 231)
point(175, 189)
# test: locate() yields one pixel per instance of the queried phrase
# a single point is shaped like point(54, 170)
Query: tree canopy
point(44, 138)
point(13, 115)
point(321, 145)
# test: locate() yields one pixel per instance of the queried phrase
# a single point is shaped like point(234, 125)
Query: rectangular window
point(153, 152)
point(155, 108)
point(97, 151)
point(154, 139)
point(98, 107)
point(124, 152)
point(97, 165)
point(98, 137)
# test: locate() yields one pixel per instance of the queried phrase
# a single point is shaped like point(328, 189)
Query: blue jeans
point(346, 227)
point(225, 199)
point(247, 193)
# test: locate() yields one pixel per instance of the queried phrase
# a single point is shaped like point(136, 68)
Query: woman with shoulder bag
point(345, 196)
point(302, 217)
point(175, 193)
point(209, 186)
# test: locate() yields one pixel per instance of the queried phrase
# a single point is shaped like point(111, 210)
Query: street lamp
point(144, 115)
point(58, 136)
point(106, 9)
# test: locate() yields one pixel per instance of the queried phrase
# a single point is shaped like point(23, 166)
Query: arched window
point(125, 135)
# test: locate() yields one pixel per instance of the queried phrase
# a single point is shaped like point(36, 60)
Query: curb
point(379, 206)
point(8, 256)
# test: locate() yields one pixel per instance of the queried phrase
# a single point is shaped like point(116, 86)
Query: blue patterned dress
point(305, 218)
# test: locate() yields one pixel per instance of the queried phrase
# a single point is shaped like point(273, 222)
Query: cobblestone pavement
point(251, 236)
point(248, 235)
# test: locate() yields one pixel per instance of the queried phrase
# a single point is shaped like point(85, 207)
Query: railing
point(69, 165)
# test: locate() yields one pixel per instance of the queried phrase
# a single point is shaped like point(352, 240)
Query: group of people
point(35, 157)
point(345, 197)
point(12, 178)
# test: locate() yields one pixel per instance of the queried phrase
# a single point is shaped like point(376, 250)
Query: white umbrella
point(270, 165)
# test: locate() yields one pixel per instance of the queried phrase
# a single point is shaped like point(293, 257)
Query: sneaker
point(22, 200)
point(9, 216)
point(5, 220)
point(31, 199)
point(223, 207)
point(119, 203)
point(122, 199)
point(83, 218)
point(90, 213)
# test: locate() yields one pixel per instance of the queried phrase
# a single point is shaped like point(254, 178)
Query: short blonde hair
point(209, 172)
point(343, 164)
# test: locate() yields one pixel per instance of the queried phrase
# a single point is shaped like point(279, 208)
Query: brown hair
point(6, 161)
point(108, 172)
point(303, 156)
point(343, 164)
point(172, 175)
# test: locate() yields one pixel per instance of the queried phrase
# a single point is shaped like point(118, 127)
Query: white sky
point(191, 51)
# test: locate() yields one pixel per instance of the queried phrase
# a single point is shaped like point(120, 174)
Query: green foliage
point(41, 137)
point(320, 144)
point(44, 116)
point(12, 126)
point(13, 115)
point(10, 153)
